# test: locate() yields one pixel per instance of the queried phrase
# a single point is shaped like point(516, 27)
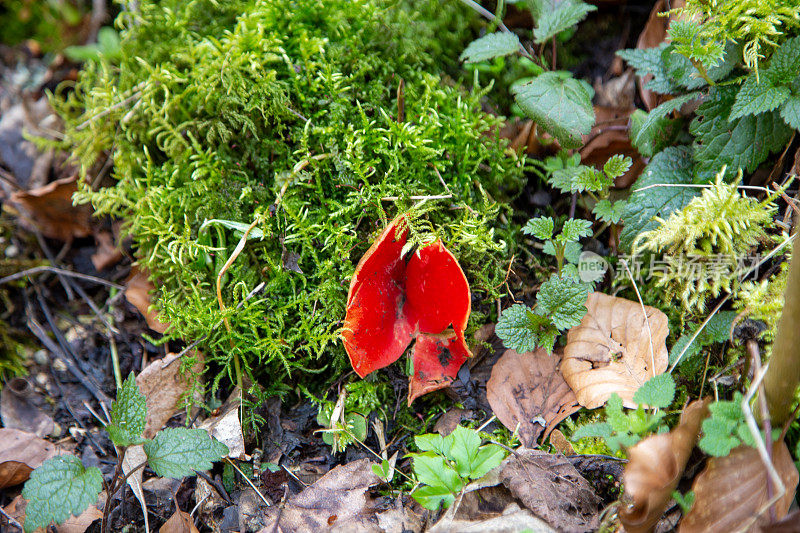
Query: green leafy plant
point(174, 452)
point(622, 430)
point(445, 465)
point(726, 429)
point(555, 100)
point(345, 421)
point(560, 300)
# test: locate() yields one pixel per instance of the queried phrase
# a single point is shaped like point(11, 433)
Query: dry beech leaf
point(137, 292)
point(164, 386)
point(227, 428)
point(527, 391)
point(20, 453)
point(732, 489)
point(180, 522)
point(73, 524)
point(512, 519)
point(107, 253)
point(655, 466)
point(134, 456)
point(338, 501)
point(50, 209)
point(610, 350)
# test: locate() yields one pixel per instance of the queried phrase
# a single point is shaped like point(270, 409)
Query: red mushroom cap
point(391, 300)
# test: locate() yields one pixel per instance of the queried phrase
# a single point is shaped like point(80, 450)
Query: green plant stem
point(490, 16)
point(783, 374)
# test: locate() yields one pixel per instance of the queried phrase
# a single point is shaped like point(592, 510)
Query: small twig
point(217, 485)
point(247, 479)
point(10, 519)
point(697, 333)
point(56, 270)
point(9, 179)
point(646, 318)
point(755, 355)
point(431, 197)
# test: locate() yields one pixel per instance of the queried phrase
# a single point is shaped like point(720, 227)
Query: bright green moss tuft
point(289, 109)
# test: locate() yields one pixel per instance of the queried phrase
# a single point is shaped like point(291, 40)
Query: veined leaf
point(180, 452)
point(128, 415)
point(489, 46)
point(556, 16)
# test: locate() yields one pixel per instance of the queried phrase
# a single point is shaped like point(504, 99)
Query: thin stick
point(56, 270)
point(431, 197)
point(755, 355)
point(10, 519)
point(697, 333)
point(646, 318)
point(263, 499)
point(490, 16)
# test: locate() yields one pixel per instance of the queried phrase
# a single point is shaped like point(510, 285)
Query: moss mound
point(292, 111)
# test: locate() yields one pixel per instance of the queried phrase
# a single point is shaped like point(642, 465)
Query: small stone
point(12, 251)
point(41, 357)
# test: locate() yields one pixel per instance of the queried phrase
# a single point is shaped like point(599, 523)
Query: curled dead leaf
point(655, 466)
point(137, 291)
point(528, 393)
point(180, 522)
point(731, 490)
point(50, 209)
point(164, 386)
point(615, 348)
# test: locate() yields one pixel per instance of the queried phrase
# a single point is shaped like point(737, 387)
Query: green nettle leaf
point(717, 439)
point(672, 166)
point(60, 487)
point(718, 328)
point(539, 227)
point(514, 329)
point(431, 469)
point(652, 61)
point(757, 95)
point(784, 65)
point(743, 144)
point(128, 415)
point(488, 458)
point(560, 104)
point(490, 46)
point(658, 391)
point(180, 452)
point(601, 430)
point(465, 444)
point(562, 301)
point(790, 112)
point(574, 229)
point(434, 497)
point(680, 346)
point(557, 16)
point(654, 119)
point(615, 416)
point(617, 165)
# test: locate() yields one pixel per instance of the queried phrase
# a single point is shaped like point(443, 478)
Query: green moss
point(286, 109)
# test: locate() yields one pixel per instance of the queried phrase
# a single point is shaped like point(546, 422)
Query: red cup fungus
point(393, 300)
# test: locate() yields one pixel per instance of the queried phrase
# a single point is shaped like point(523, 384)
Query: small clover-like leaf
point(609, 212)
point(488, 458)
point(128, 415)
point(539, 227)
point(434, 497)
point(717, 439)
point(658, 391)
point(490, 46)
point(432, 470)
point(465, 444)
point(60, 487)
point(180, 452)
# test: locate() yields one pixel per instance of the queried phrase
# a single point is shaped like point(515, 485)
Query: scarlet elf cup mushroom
point(395, 299)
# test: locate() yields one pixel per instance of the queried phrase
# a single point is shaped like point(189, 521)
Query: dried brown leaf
point(20, 453)
point(653, 34)
point(655, 466)
point(20, 409)
point(552, 488)
point(528, 392)
point(107, 253)
point(610, 350)
point(73, 524)
point(134, 456)
point(50, 209)
point(180, 522)
point(227, 428)
point(164, 387)
point(732, 489)
point(137, 291)
point(512, 520)
point(337, 501)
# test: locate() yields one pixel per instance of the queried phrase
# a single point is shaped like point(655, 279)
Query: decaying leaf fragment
point(20, 453)
point(528, 392)
point(50, 209)
point(655, 466)
point(137, 291)
point(732, 489)
point(615, 348)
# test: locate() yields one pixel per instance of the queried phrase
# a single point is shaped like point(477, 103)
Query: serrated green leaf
point(562, 301)
point(572, 252)
point(128, 415)
point(430, 442)
point(717, 440)
point(743, 143)
point(465, 444)
point(647, 129)
point(180, 452)
point(658, 391)
point(574, 229)
point(514, 329)
point(718, 328)
point(784, 66)
point(790, 112)
point(661, 134)
point(614, 414)
point(671, 166)
point(434, 497)
point(539, 227)
point(608, 212)
point(489, 46)
point(432, 470)
point(560, 104)
point(757, 95)
point(652, 61)
point(617, 165)
point(622, 440)
point(557, 16)
point(58, 488)
point(679, 347)
point(601, 430)
point(488, 458)
point(579, 179)
point(728, 410)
